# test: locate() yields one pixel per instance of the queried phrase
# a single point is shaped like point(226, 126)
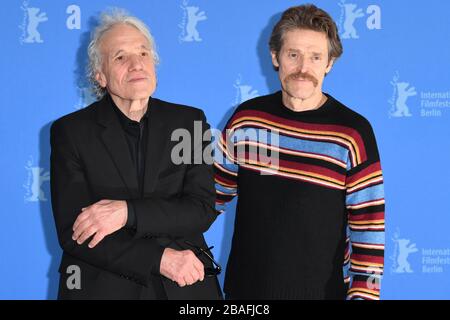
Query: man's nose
point(135, 63)
point(302, 64)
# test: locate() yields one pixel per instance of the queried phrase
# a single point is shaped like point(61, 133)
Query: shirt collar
point(123, 119)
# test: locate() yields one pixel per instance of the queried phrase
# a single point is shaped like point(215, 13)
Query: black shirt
point(136, 134)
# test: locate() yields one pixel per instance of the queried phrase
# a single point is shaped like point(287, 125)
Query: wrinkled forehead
point(305, 40)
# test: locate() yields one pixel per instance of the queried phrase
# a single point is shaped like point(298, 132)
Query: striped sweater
point(310, 212)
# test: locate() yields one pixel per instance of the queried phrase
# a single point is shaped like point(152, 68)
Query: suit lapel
point(114, 140)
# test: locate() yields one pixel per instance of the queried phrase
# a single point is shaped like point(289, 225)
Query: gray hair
point(108, 20)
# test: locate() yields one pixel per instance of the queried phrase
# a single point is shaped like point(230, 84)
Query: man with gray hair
point(130, 219)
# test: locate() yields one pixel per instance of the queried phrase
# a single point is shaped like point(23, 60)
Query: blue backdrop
point(214, 55)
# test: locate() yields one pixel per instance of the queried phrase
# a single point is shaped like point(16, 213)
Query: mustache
point(304, 75)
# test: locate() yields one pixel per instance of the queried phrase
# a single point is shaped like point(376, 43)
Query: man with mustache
point(310, 213)
point(129, 217)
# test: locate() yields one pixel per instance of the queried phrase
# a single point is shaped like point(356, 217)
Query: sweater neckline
point(327, 104)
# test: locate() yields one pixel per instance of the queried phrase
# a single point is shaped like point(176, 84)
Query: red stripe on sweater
point(224, 180)
point(365, 172)
point(367, 259)
point(366, 216)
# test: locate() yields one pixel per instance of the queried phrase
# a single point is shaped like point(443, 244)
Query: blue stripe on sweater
point(370, 237)
point(364, 195)
point(228, 191)
point(297, 144)
point(324, 148)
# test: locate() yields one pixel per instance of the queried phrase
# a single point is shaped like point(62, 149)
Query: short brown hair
point(308, 17)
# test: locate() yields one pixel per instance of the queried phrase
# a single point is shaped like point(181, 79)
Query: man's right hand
point(183, 267)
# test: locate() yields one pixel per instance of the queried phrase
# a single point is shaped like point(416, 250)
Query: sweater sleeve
point(365, 209)
point(226, 169)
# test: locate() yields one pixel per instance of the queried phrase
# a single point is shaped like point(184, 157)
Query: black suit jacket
point(90, 161)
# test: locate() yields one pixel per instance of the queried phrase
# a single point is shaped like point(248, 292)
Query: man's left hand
point(102, 218)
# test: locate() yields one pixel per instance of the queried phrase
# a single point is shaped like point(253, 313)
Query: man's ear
point(101, 79)
point(274, 59)
point(330, 65)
